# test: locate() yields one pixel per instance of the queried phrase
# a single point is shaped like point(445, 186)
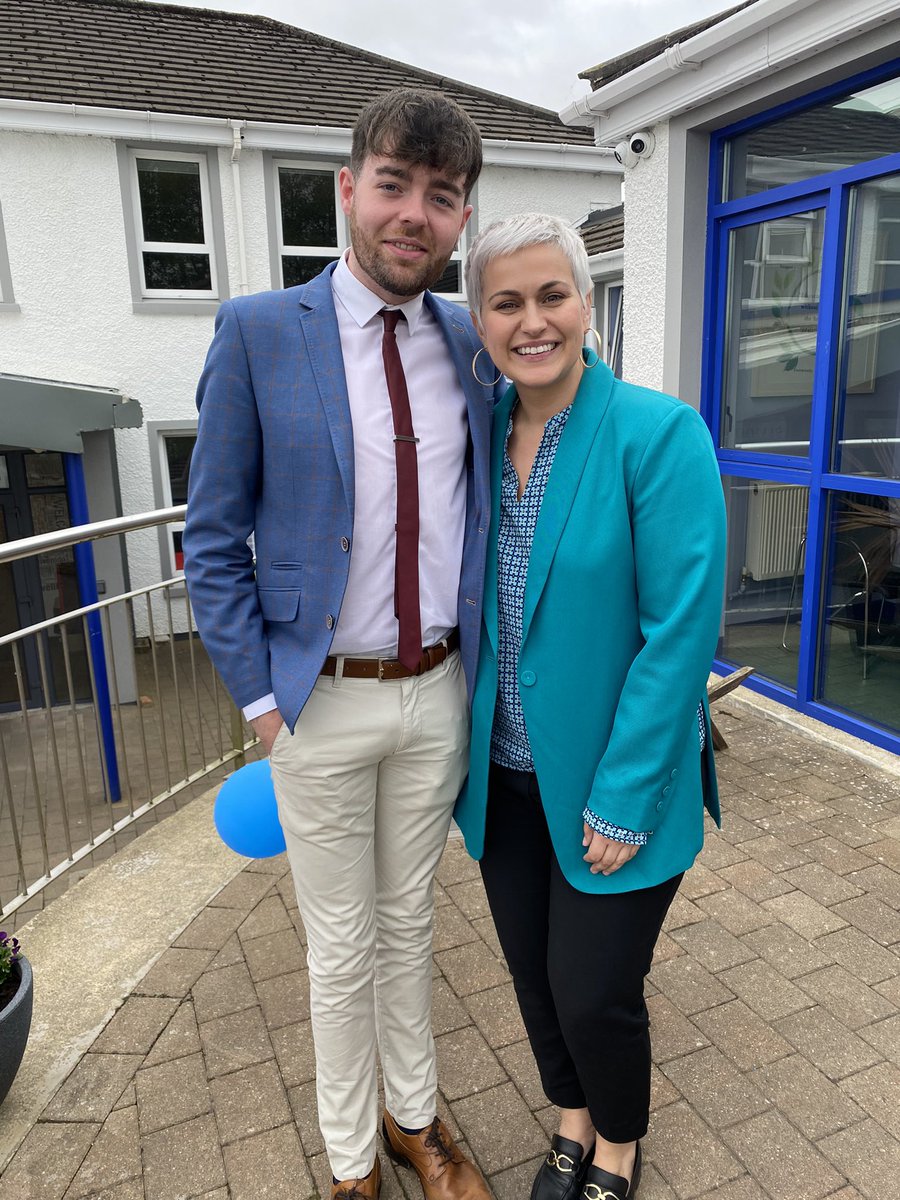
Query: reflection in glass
point(853, 128)
point(867, 402)
point(775, 270)
point(171, 205)
point(765, 576)
point(859, 667)
point(308, 214)
point(450, 282)
point(177, 272)
point(297, 268)
point(9, 622)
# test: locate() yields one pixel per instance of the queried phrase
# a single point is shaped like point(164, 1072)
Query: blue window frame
point(807, 236)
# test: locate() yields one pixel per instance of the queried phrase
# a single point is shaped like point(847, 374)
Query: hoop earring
point(483, 382)
point(586, 350)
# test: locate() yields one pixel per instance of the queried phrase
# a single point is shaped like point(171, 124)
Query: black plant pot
point(15, 1022)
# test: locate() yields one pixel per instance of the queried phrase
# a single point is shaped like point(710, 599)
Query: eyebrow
point(436, 181)
point(551, 283)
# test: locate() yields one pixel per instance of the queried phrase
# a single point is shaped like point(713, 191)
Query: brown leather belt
point(390, 668)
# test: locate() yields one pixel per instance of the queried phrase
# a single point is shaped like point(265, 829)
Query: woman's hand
point(605, 855)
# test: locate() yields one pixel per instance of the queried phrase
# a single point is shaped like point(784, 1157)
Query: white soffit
point(34, 116)
point(757, 41)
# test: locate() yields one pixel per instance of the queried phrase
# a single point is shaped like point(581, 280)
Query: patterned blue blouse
point(510, 746)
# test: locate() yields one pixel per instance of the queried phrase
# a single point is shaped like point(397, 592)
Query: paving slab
point(773, 1000)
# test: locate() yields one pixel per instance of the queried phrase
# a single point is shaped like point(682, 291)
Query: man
point(342, 424)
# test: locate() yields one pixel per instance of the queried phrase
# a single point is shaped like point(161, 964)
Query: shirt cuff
point(615, 833)
point(258, 707)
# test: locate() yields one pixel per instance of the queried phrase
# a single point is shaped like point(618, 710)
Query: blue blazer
point(274, 458)
point(623, 601)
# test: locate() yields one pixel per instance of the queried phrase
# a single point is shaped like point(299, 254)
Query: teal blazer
point(623, 601)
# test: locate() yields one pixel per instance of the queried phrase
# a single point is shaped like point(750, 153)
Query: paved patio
point(774, 1002)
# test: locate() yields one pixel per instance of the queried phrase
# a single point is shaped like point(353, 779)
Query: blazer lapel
point(582, 426)
point(318, 324)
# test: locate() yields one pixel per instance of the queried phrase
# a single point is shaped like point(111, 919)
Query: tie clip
point(401, 437)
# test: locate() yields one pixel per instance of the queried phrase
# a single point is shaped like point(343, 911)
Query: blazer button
point(659, 806)
point(528, 678)
point(674, 773)
point(666, 790)
point(345, 544)
point(329, 621)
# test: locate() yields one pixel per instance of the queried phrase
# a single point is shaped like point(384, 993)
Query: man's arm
point(221, 515)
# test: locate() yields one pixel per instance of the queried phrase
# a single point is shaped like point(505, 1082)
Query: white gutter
point(754, 42)
point(236, 127)
point(35, 116)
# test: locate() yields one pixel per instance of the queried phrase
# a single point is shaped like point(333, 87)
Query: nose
point(412, 211)
point(533, 318)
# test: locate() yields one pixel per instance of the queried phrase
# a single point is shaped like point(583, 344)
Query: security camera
point(639, 145)
point(625, 155)
point(642, 143)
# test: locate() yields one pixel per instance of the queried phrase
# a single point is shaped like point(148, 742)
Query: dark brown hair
point(420, 128)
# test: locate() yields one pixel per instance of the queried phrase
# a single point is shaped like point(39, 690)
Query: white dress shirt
point(366, 626)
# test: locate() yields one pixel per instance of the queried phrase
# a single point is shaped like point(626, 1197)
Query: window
point(6, 291)
point(802, 393)
point(173, 222)
point(310, 223)
point(172, 445)
point(613, 295)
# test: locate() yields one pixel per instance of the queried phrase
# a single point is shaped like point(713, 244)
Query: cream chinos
point(366, 786)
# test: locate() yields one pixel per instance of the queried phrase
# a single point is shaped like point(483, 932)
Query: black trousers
point(578, 963)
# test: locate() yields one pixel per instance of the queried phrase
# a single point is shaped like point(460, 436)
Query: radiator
point(776, 522)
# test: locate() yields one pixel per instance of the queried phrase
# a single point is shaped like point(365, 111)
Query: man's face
point(405, 221)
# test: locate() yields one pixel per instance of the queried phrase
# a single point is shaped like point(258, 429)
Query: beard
point(397, 278)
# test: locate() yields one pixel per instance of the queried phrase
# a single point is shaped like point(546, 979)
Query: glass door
point(769, 382)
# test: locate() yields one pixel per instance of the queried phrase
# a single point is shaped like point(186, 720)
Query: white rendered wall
point(503, 191)
point(646, 229)
point(65, 236)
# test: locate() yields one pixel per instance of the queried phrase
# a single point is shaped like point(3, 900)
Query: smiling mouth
point(406, 247)
point(543, 348)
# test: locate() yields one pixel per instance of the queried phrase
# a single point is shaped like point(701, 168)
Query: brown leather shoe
point(359, 1189)
point(444, 1172)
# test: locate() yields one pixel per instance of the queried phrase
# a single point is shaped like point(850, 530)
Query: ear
point(478, 326)
point(587, 306)
point(346, 187)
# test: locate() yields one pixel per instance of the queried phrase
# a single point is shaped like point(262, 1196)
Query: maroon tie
point(406, 571)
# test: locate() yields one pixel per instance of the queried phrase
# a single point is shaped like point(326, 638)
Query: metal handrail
point(59, 539)
point(172, 726)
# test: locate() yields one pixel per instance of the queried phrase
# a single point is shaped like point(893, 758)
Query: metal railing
point(103, 726)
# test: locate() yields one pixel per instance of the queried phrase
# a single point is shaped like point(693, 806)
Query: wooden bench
point(716, 692)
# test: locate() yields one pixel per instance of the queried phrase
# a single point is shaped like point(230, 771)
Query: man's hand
point(266, 727)
point(605, 855)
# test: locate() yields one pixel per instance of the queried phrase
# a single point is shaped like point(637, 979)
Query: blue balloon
point(246, 814)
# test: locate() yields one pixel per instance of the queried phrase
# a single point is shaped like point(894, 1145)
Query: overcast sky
point(530, 49)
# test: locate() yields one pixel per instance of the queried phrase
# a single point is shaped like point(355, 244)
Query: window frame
point(159, 300)
point(157, 432)
point(280, 249)
point(7, 298)
point(830, 192)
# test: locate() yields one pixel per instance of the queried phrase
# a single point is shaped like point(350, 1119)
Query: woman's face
point(533, 320)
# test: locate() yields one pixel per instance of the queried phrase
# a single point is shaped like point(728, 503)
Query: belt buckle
point(381, 663)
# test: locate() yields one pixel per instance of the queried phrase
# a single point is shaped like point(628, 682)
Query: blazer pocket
point(278, 604)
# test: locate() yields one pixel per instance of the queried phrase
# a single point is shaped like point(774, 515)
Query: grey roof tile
point(158, 57)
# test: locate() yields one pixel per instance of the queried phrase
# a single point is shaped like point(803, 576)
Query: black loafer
point(562, 1172)
point(603, 1185)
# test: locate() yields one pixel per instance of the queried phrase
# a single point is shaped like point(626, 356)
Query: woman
point(589, 763)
